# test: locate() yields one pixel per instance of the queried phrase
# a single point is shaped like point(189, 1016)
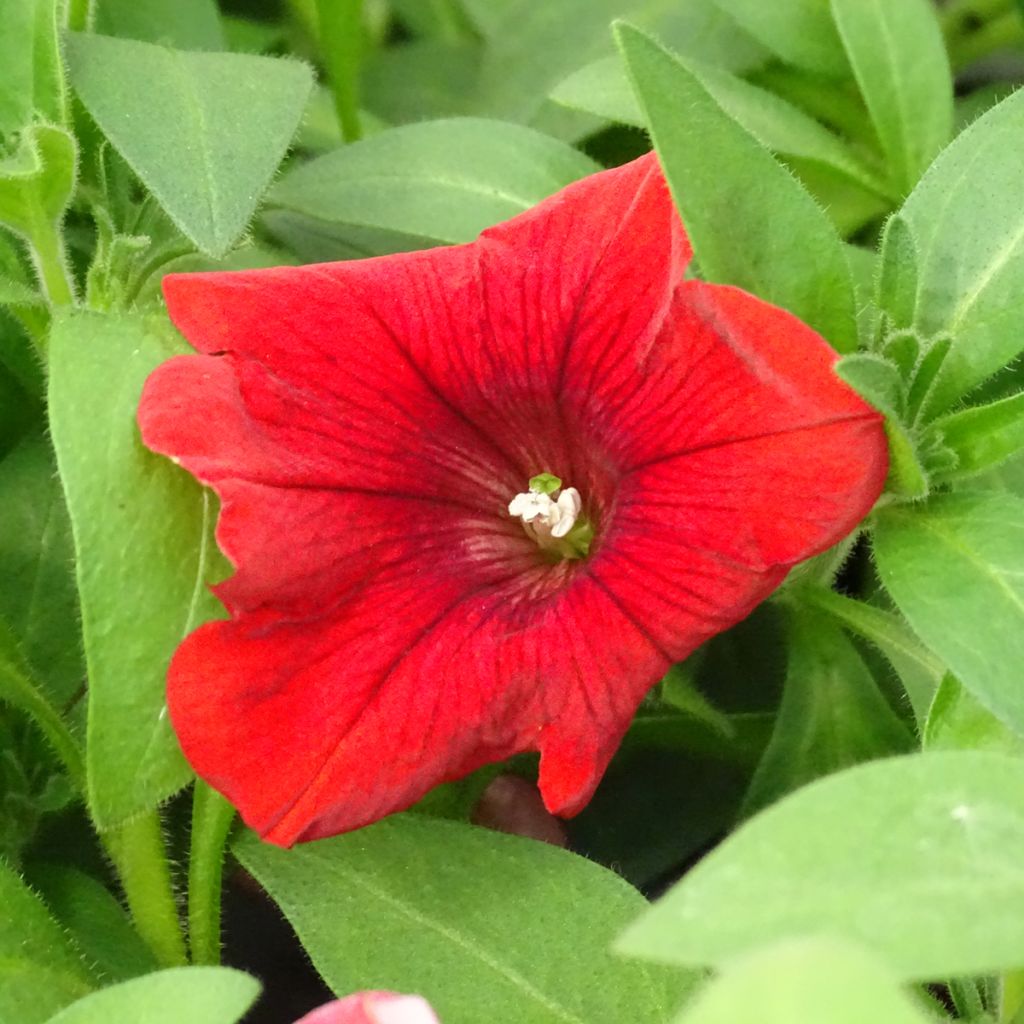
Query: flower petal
point(373, 1008)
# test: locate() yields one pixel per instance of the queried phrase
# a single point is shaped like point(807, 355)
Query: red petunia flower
point(373, 1008)
point(368, 425)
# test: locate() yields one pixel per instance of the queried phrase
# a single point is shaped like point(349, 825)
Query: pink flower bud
point(373, 1008)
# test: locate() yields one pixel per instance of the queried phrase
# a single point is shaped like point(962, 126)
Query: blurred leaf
point(801, 32)
point(203, 131)
point(533, 46)
point(603, 88)
point(485, 926)
point(816, 979)
point(750, 221)
point(832, 714)
point(916, 857)
point(970, 246)
point(37, 587)
point(142, 535)
point(984, 436)
point(40, 968)
point(32, 83)
point(955, 568)
point(181, 24)
point(416, 181)
point(899, 58)
point(958, 722)
point(92, 916)
point(198, 995)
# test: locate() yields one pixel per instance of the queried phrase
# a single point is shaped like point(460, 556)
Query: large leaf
point(832, 714)
point(957, 721)
point(970, 247)
point(750, 221)
point(37, 586)
point(899, 57)
point(915, 857)
point(805, 980)
point(204, 131)
point(141, 529)
point(40, 969)
point(602, 88)
point(199, 995)
point(31, 83)
point(485, 926)
point(416, 180)
point(799, 31)
point(955, 568)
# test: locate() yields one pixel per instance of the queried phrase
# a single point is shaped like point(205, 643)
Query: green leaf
point(899, 59)
point(970, 245)
point(915, 857)
point(896, 289)
point(533, 46)
point(199, 995)
point(799, 31)
point(750, 221)
point(142, 540)
point(485, 926)
point(602, 88)
point(203, 131)
point(41, 971)
point(798, 980)
point(32, 82)
point(957, 721)
point(955, 568)
point(875, 379)
point(416, 180)
point(37, 587)
point(183, 24)
point(985, 435)
point(88, 911)
point(832, 714)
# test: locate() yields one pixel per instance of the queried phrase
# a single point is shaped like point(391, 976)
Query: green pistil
point(544, 483)
point(576, 543)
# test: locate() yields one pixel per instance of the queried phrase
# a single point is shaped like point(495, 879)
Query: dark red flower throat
point(367, 425)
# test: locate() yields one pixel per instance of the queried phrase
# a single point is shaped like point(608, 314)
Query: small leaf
point(955, 568)
point(423, 905)
point(184, 24)
point(896, 290)
point(915, 857)
point(875, 379)
point(144, 555)
point(799, 31)
point(985, 435)
point(40, 968)
point(958, 722)
point(750, 221)
point(90, 913)
point(32, 83)
point(832, 714)
point(817, 979)
point(899, 58)
point(199, 995)
point(203, 131)
point(970, 245)
point(416, 180)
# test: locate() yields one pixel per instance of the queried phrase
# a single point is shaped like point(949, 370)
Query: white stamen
point(544, 517)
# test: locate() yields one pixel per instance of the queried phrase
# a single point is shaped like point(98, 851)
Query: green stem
point(341, 42)
point(1011, 996)
point(137, 850)
point(18, 688)
point(212, 816)
point(79, 15)
point(1001, 33)
point(51, 262)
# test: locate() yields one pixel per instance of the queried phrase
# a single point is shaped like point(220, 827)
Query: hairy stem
point(212, 816)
